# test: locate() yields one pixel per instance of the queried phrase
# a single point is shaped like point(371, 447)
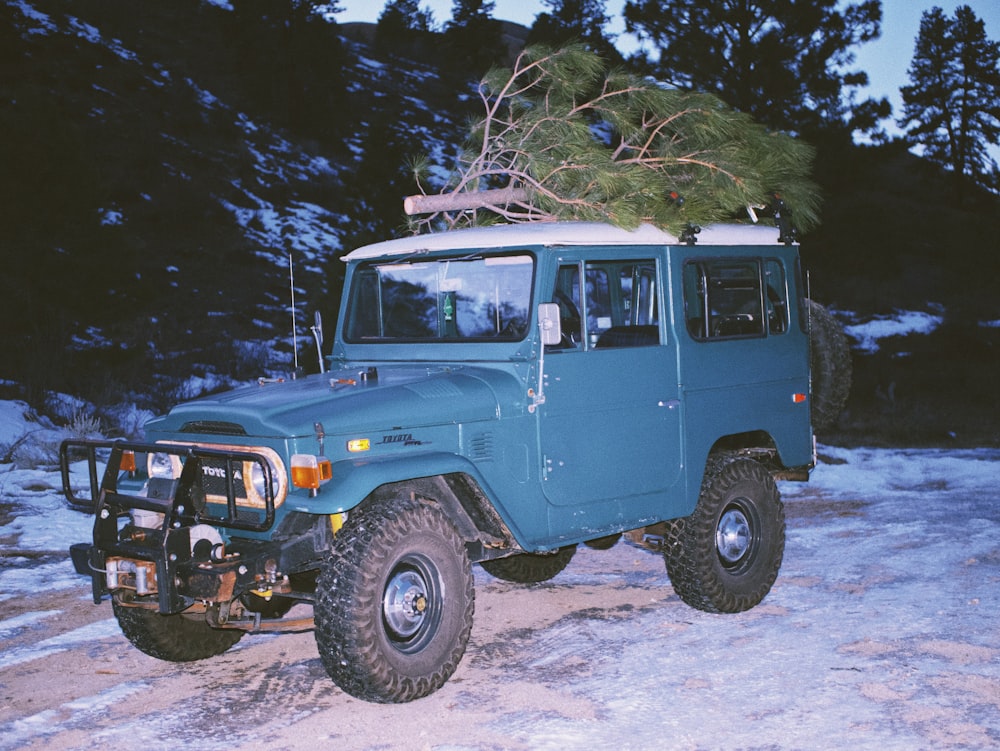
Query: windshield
point(448, 299)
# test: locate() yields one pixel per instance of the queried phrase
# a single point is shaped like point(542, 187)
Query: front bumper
point(159, 545)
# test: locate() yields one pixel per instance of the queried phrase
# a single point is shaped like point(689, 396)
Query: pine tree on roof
point(565, 137)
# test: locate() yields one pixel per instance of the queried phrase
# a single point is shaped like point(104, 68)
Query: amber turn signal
point(310, 471)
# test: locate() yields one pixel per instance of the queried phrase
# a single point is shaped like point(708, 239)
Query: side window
point(615, 306)
point(639, 293)
point(600, 304)
point(723, 298)
point(567, 296)
point(776, 296)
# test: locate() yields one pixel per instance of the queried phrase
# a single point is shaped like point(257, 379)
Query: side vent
point(481, 447)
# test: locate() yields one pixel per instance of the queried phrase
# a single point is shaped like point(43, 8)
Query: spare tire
point(830, 362)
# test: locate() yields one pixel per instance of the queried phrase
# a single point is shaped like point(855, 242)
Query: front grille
point(213, 479)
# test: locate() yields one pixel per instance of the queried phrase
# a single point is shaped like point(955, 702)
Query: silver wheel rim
point(405, 603)
point(733, 536)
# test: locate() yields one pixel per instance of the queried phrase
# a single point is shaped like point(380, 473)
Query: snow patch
point(867, 335)
point(106, 629)
point(112, 217)
point(93, 35)
point(44, 24)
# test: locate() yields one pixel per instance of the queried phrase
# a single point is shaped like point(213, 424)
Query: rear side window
point(724, 298)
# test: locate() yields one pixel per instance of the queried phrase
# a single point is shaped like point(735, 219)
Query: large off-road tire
point(830, 363)
point(395, 601)
point(176, 638)
point(726, 555)
point(530, 568)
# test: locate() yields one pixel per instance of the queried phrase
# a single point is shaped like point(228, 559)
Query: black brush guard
point(182, 505)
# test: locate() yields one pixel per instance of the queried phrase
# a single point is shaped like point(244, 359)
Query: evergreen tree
point(780, 61)
point(571, 21)
point(291, 62)
point(402, 27)
point(952, 106)
point(382, 176)
point(473, 39)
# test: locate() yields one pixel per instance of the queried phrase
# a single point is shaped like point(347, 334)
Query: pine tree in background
point(952, 106)
point(569, 21)
point(290, 62)
point(564, 137)
point(784, 62)
point(473, 39)
point(402, 27)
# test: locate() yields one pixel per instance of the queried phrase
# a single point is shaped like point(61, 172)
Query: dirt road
point(880, 633)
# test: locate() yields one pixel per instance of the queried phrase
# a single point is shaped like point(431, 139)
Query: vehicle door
point(610, 423)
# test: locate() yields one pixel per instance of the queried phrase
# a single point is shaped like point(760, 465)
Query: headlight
point(163, 466)
point(259, 481)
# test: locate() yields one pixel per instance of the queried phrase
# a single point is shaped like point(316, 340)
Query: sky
point(886, 60)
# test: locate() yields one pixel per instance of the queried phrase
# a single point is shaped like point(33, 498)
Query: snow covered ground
point(880, 633)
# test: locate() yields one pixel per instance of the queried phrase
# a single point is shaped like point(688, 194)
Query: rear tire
point(726, 555)
point(603, 543)
point(395, 601)
point(530, 568)
point(175, 638)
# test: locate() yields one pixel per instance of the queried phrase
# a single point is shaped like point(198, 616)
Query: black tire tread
point(348, 607)
point(530, 568)
point(830, 363)
point(689, 544)
point(175, 638)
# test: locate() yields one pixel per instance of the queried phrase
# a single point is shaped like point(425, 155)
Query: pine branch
point(573, 140)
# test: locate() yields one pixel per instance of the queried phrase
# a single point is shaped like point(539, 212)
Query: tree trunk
point(430, 204)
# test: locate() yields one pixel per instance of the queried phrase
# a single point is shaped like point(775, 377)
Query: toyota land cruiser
point(495, 396)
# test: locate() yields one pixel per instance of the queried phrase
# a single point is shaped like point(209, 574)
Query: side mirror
point(548, 323)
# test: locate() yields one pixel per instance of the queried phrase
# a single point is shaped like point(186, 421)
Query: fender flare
point(354, 480)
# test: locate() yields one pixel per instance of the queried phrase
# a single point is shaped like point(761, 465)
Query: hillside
point(163, 163)
point(156, 194)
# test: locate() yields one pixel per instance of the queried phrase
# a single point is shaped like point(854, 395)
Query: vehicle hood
point(350, 400)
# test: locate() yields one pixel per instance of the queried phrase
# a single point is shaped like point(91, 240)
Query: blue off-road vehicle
point(495, 396)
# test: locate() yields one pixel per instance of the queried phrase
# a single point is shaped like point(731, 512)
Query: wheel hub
point(732, 536)
point(404, 603)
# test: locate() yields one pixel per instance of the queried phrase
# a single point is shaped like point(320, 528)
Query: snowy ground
point(880, 633)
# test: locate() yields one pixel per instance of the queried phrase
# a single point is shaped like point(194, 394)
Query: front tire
point(175, 638)
point(395, 602)
point(726, 555)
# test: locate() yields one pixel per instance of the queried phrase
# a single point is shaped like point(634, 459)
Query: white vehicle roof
point(562, 233)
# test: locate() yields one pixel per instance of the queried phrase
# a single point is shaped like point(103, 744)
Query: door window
point(615, 306)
